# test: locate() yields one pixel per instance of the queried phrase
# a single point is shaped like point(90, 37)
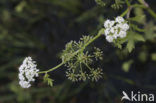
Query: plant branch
point(80, 50)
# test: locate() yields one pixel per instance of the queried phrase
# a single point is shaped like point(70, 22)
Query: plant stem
point(125, 12)
point(87, 66)
point(128, 4)
point(128, 10)
point(59, 65)
point(142, 4)
point(96, 37)
point(80, 50)
point(149, 10)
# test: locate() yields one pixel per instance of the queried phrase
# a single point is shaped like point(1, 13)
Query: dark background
point(41, 28)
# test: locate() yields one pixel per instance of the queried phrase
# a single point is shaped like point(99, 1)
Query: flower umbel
point(96, 74)
point(115, 28)
point(72, 76)
point(27, 72)
point(80, 65)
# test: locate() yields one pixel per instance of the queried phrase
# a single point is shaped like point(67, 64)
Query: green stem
point(128, 4)
point(59, 65)
point(142, 5)
point(81, 67)
point(125, 12)
point(96, 37)
point(87, 66)
point(80, 50)
point(149, 10)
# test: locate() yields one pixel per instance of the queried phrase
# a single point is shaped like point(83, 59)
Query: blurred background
point(41, 28)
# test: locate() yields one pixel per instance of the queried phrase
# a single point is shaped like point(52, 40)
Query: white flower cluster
point(115, 28)
point(27, 72)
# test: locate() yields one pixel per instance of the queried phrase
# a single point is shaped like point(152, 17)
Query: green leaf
point(20, 6)
point(126, 65)
point(130, 46)
point(118, 42)
point(48, 80)
point(150, 31)
point(139, 37)
point(138, 19)
point(135, 27)
point(140, 15)
point(132, 38)
point(153, 56)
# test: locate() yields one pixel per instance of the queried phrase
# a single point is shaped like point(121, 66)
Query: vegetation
point(41, 29)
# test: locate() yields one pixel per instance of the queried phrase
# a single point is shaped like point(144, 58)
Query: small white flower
point(116, 34)
point(112, 30)
point(122, 34)
point(25, 84)
point(107, 31)
point(27, 72)
point(108, 23)
point(109, 38)
point(125, 27)
point(119, 19)
point(112, 23)
point(115, 29)
point(119, 26)
point(21, 77)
